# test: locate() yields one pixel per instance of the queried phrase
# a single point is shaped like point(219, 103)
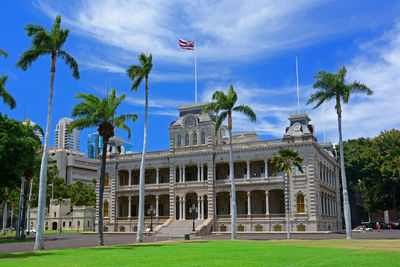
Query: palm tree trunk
point(39, 241)
point(232, 177)
point(23, 218)
point(101, 190)
point(139, 235)
point(21, 199)
point(28, 224)
point(11, 219)
point(288, 205)
point(4, 216)
point(346, 204)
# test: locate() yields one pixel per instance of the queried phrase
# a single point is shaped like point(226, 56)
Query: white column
point(248, 203)
point(198, 208)
point(129, 206)
point(202, 172)
point(130, 177)
point(183, 174)
point(157, 175)
point(180, 173)
point(198, 172)
point(180, 208)
point(157, 198)
point(266, 202)
point(202, 207)
point(248, 169)
point(184, 209)
point(266, 169)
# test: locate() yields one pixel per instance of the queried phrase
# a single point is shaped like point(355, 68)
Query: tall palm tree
point(333, 86)
point(7, 98)
point(284, 162)
point(223, 105)
point(136, 73)
point(101, 113)
point(46, 42)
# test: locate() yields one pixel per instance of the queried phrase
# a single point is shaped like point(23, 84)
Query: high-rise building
point(65, 140)
point(94, 145)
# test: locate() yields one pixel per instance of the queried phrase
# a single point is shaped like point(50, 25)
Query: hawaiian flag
point(188, 45)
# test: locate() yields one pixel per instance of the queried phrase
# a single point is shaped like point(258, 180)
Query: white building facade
point(65, 140)
point(194, 172)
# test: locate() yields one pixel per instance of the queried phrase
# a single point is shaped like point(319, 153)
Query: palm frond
point(82, 123)
point(32, 29)
point(30, 56)
point(248, 111)
point(360, 88)
point(70, 62)
point(210, 107)
point(4, 53)
point(7, 98)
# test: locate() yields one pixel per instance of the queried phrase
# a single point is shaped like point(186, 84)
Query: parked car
point(32, 231)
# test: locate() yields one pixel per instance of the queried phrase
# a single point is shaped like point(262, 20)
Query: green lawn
point(221, 253)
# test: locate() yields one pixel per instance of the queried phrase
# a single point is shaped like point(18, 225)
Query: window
point(186, 139)
point(55, 214)
point(259, 228)
point(277, 228)
point(88, 223)
point(107, 180)
point(122, 228)
point(298, 171)
point(70, 224)
point(300, 204)
point(301, 228)
point(63, 224)
point(240, 228)
point(179, 141)
point(222, 228)
point(203, 138)
point(195, 139)
point(105, 214)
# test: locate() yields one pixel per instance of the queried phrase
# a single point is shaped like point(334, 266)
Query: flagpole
point(195, 73)
point(298, 90)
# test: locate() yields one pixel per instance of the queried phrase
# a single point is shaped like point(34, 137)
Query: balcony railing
point(270, 179)
point(277, 216)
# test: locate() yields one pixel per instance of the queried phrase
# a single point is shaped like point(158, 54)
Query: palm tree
point(333, 86)
point(7, 98)
point(46, 42)
point(101, 113)
point(392, 163)
point(136, 73)
point(223, 105)
point(284, 162)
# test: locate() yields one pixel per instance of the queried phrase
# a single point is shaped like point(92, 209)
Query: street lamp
point(151, 213)
point(193, 212)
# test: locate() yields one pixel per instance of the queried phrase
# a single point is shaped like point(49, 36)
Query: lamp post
point(193, 212)
point(150, 212)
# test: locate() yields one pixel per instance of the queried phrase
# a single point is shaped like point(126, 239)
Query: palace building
point(194, 175)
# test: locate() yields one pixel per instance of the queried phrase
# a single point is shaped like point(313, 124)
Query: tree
point(7, 98)
point(101, 113)
point(333, 86)
point(284, 163)
point(46, 42)
point(223, 105)
point(137, 73)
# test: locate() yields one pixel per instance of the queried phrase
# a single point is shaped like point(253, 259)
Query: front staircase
point(178, 228)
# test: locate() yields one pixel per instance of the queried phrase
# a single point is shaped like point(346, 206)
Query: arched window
point(107, 180)
point(186, 139)
point(105, 210)
point(301, 228)
point(300, 204)
point(179, 141)
point(203, 138)
point(195, 139)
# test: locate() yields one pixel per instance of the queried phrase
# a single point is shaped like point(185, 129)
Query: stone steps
point(179, 228)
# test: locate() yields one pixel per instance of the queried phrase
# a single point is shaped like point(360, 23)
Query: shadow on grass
point(23, 255)
point(146, 245)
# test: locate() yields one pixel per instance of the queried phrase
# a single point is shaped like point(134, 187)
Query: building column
point(266, 169)
point(129, 206)
point(157, 175)
point(202, 172)
point(180, 208)
point(202, 207)
point(157, 198)
point(267, 202)
point(248, 203)
point(180, 173)
point(198, 208)
point(116, 208)
point(198, 172)
point(248, 169)
point(130, 177)
point(184, 209)
point(184, 174)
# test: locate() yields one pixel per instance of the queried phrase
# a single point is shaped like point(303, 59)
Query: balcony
point(252, 180)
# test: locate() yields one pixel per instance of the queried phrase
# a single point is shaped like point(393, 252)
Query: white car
point(32, 231)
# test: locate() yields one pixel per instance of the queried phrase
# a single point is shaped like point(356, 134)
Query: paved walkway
point(74, 240)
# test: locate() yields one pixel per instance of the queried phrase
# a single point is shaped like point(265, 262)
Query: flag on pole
point(188, 45)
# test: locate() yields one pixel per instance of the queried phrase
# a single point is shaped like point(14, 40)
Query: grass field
point(221, 253)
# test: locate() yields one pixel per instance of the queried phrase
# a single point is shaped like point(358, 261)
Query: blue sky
point(250, 44)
